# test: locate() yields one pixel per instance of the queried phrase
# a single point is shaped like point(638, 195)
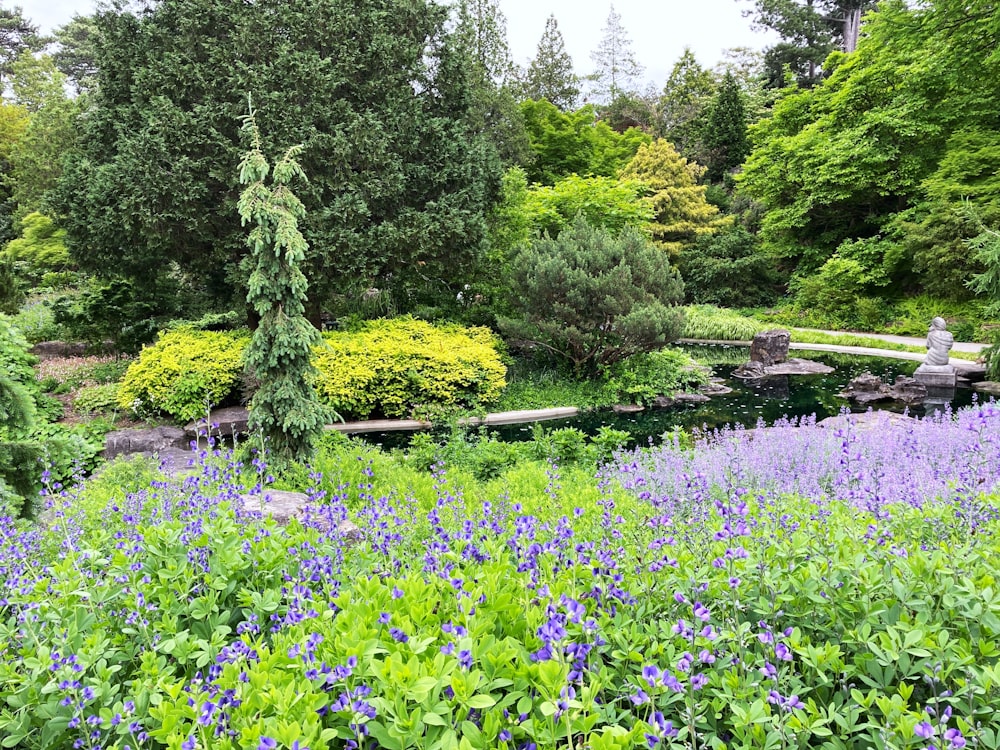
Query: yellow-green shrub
point(395, 366)
point(184, 372)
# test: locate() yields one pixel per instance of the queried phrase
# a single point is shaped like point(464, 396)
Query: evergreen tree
point(285, 407)
point(726, 130)
point(550, 75)
point(810, 30)
point(617, 66)
point(75, 55)
point(683, 106)
point(481, 37)
point(378, 95)
point(17, 36)
point(681, 212)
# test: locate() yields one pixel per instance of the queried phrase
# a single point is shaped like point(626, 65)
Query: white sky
point(659, 29)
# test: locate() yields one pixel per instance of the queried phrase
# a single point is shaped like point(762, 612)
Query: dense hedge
point(394, 367)
point(185, 372)
point(382, 367)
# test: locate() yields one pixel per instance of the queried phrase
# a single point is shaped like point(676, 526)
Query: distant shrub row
point(392, 368)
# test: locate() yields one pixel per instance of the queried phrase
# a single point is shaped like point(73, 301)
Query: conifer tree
point(681, 212)
point(683, 105)
point(550, 75)
point(285, 407)
point(726, 130)
point(617, 66)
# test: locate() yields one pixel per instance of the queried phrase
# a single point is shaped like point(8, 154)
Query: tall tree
point(481, 36)
point(377, 94)
point(36, 159)
point(809, 30)
point(17, 35)
point(75, 54)
point(285, 407)
point(617, 66)
point(726, 130)
point(684, 104)
point(550, 74)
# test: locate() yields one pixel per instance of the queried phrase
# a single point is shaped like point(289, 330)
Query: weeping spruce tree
point(285, 408)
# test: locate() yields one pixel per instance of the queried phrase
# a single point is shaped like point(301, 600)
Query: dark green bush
point(593, 298)
point(725, 269)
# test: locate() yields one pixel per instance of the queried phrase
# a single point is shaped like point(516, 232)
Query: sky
point(659, 29)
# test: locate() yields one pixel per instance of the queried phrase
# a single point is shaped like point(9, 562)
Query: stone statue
point(939, 343)
point(935, 372)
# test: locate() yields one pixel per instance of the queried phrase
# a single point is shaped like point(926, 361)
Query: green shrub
point(726, 269)
point(642, 377)
point(593, 298)
point(394, 367)
point(36, 320)
point(184, 373)
point(97, 399)
point(709, 323)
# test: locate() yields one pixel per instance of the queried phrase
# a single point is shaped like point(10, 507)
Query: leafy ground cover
point(788, 587)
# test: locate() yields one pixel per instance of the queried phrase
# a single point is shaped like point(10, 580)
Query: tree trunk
point(852, 27)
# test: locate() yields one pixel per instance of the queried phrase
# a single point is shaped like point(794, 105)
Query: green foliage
point(985, 247)
point(684, 104)
point(883, 150)
point(97, 399)
point(709, 323)
point(642, 377)
point(725, 269)
point(400, 179)
point(565, 143)
point(550, 74)
point(123, 312)
point(40, 248)
point(12, 294)
point(184, 373)
point(680, 211)
point(603, 202)
point(726, 130)
point(593, 298)
point(284, 408)
point(395, 368)
point(36, 158)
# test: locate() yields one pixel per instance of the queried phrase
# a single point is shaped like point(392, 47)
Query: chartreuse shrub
point(794, 587)
point(184, 373)
point(402, 366)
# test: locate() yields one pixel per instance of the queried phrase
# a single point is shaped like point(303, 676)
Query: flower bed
point(791, 587)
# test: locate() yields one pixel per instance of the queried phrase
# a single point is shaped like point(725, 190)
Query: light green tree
point(285, 408)
point(680, 211)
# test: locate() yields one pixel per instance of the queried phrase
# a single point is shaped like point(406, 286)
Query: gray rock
point(990, 387)
point(868, 389)
point(691, 398)
point(283, 506)
point(867, 421)
point(627, 408)
point(663, 402)
point(228, 421)
point(757, 370)
point(715, 388)
point(770, 347)
point(58, 349)
point(147, 441)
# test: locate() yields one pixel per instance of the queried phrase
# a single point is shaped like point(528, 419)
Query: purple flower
point(383, 619)
point(266, 743)
point(954, 738)
point(924, 729)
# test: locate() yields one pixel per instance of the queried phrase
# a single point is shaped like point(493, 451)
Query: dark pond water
point(750, 402)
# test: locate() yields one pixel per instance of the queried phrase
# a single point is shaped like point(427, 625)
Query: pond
point(750, 402)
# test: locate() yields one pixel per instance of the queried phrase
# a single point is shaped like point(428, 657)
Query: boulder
point(627, 408)
point(283, 506)
point(147, 441)
point(58, 349)
point(770, 347)
point(990, 387)
point(228, 421)
point(794, 366)
point(691, 398)
point(867, 421)
point(868, 388)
